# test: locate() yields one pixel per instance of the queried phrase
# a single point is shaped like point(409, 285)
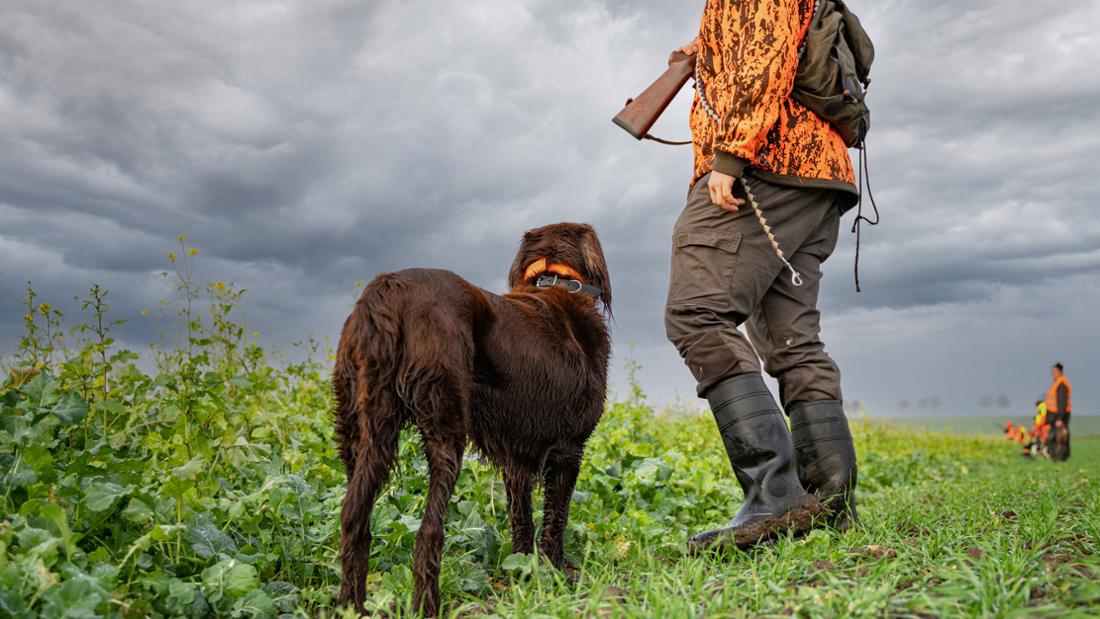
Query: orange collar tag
point(540, 266)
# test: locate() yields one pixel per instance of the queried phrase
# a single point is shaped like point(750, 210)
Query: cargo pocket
point(702, 268)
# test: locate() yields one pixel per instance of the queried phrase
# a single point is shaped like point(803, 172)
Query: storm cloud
point(306, 145)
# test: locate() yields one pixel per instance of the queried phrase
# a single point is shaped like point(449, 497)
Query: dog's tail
point(347, 415)
point(367, 360)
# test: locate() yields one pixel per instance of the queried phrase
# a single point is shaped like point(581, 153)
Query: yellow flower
point(180, 238)
point(171, 257)
point(145, 311)
point(219, 286)
point(255, 334)
point(44, 308)
point(193, 251)
point(358, 284)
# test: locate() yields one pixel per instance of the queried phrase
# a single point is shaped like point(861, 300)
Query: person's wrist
point(730, 164)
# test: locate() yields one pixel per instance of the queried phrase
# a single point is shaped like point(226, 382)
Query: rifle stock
point(641, 112)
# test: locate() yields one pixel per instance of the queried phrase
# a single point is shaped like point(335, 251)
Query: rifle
point(640, 113)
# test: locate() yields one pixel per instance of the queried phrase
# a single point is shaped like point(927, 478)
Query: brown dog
point(523, 376)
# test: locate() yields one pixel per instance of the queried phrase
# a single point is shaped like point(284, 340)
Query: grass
point(205, 483)
point(951, 526)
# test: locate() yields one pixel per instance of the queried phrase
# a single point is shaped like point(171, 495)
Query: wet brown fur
point(522, 376)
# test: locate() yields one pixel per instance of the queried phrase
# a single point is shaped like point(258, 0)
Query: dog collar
point(556, 274)
point(572, 285)
point(542, 265)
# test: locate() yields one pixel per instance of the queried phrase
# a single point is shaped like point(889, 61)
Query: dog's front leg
point(519, 484)
point(444, 464)
point(562, 468)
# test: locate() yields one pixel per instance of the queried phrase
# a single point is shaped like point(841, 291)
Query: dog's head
point(573, 245)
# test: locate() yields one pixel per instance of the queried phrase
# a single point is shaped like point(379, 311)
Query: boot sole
point(798, 520)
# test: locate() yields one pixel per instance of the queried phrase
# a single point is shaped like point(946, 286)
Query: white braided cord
point(796, 278)
point(701, 88)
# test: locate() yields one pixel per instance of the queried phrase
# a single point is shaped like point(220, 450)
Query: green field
point(1081, 425)
point(210, 486)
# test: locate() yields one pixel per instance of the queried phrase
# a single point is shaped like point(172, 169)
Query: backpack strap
point(814, 16)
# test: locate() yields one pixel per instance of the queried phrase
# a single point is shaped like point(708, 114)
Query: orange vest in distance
point(1052, 396)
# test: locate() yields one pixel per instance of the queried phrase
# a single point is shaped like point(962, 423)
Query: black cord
point(864, 179)
point(668, 142)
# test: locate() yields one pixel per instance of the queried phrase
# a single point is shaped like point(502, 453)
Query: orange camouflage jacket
point(748, 58)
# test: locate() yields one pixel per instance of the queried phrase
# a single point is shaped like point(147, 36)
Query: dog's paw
point(572, 574)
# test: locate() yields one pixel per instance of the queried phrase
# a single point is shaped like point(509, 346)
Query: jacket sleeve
point(1063, 400)
point(755, 58)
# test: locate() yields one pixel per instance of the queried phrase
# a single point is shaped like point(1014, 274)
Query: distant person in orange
point(1038, 431)
point(1059, 403)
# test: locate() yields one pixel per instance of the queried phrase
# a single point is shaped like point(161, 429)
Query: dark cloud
point(304, 146)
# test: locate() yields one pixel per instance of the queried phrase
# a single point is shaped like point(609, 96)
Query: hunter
point(749, 133)
point(1059, 404)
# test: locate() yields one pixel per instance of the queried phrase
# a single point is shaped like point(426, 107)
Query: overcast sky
point(304, 145)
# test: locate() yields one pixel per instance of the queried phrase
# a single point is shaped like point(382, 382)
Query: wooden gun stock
point(642, 112)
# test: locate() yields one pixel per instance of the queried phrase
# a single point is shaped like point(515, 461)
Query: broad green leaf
point(137, 511)
point(114, 407)
point(229, 578)
point(257, 603)
point(17, 473)
point(38, 457)
point(208, 542)
point(12, 603)
point(190, 469)
point(182, 593)
point(99, 496)
point(56, 515)
point(79, 596)
point(518, 563)
point(409, 522)
point(36, 387)
point(70, 408)
point(186, 599)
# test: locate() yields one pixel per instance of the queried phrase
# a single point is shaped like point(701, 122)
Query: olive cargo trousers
point(725, 272)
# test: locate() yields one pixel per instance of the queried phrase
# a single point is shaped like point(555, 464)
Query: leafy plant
point(202, 479)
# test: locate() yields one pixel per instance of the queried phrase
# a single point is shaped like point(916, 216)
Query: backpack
point(834, 70)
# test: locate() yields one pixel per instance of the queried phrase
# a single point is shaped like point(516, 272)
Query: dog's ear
point(519, 265)
point(595, 266)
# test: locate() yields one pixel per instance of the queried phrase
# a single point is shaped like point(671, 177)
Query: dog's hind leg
point(373, 464)
point(560, 477)
point(444, 465)
point(519, 484)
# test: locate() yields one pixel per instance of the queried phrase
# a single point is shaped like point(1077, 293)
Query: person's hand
point(721, 192)
point(690, 48)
